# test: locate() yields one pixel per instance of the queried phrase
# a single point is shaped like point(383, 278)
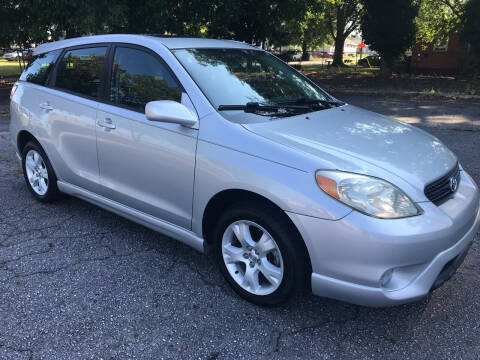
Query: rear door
point(68, 115)
point(146, 165)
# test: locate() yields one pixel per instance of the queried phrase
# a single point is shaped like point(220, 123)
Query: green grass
point(9, 68)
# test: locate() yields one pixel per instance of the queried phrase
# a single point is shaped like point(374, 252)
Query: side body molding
point(178, 233)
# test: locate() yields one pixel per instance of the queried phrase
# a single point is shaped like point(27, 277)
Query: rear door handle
point(107, 123)
point(46, 106)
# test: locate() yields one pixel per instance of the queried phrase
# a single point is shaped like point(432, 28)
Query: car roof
point(169, 42)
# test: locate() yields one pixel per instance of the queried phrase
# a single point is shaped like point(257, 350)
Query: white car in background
point(14, 55)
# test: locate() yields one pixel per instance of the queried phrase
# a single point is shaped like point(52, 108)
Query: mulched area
point(7, 81)
point(367, 82)
point(6, 84)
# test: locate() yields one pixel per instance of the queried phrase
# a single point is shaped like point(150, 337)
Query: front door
point(148, 166)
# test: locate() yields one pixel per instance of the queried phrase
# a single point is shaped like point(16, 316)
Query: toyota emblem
point(453, 183)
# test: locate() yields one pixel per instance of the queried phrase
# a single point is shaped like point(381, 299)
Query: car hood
point(352, 133)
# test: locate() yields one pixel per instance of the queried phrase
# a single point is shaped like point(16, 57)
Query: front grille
point(441, 189)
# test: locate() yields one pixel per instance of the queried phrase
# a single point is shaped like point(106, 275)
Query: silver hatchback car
point(226, 148)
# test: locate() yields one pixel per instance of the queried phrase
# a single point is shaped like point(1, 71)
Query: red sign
point(361, 45)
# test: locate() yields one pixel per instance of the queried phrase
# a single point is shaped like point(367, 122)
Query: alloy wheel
point(37, 173)
point(252, 257)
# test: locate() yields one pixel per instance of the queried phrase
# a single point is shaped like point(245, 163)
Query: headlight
point(369, 195)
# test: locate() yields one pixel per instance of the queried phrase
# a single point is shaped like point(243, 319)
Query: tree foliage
point(7, 33)
point(389, 28)
point(255, 21)
point(438, 19)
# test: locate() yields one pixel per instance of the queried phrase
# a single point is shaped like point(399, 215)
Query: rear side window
point(80, 70)
point(138, 78)
point(39, 68)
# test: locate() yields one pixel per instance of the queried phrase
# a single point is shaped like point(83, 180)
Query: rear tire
point(260, 254)
point(38, 173)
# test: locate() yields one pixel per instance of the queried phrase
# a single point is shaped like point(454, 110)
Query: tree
point(343, 18)
point(471, 31)
point(438, 19)
point(389, 28)
point(313, 29)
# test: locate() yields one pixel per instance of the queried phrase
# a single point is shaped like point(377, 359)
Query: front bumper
point(351, 256)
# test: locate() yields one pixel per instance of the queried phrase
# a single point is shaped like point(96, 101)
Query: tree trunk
point(385, 69)
point(19, 61)
point(469, 63)
point(338, 54)
point(305, 55)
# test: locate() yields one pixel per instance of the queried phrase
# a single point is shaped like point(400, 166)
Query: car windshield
point(234, 77)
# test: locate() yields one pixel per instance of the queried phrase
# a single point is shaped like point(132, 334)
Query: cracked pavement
point(77, 282)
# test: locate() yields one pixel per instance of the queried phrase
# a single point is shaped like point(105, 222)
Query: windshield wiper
point(305, 101)
point(253, 107)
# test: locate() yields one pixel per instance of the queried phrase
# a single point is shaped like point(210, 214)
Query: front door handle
point(46, 106)
point(107, 123)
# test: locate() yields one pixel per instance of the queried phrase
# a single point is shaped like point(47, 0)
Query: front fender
point(219, 168)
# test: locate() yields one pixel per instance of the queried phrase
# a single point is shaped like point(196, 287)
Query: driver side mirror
point(170, 112)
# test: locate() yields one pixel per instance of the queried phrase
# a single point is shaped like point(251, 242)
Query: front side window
point(240, 76)
point(138, 78)
point(80, 70)
point(40, 67)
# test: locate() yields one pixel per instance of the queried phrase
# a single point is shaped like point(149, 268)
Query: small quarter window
point(138, 78)
point(80, 70)
point(38, 69)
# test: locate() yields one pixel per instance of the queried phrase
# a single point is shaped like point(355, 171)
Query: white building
point(351, 46)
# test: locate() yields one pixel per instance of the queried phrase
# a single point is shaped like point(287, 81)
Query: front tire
point(38, 173)
point(260, 254)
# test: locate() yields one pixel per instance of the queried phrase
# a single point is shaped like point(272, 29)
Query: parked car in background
point(320, 54)
point(16, 54)
point(370, 61)
point(10, 56)
point(290, 55)
point(226, 148)
point(325, 55)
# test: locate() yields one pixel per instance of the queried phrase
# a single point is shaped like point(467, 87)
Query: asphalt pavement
point(77, 282)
